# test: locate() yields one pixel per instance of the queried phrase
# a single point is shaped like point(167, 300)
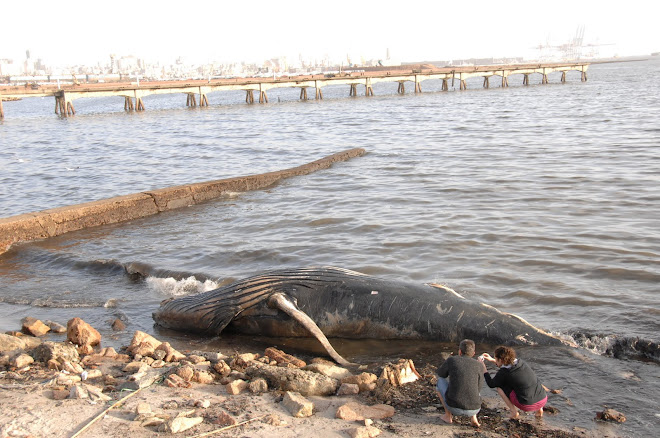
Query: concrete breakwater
point(61, 220)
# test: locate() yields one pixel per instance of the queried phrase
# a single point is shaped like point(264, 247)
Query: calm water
point(542, 201)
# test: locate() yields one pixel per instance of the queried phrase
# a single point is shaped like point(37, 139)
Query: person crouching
point(515, 381)
point(460, 379)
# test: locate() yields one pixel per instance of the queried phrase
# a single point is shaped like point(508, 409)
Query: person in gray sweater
point(460, 379)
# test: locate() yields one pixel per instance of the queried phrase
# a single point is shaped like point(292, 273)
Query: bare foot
point(474, 421)
point(514, 415)
point(539, 413)
point(447, 418)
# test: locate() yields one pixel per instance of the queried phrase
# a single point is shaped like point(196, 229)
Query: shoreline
point(96, 392)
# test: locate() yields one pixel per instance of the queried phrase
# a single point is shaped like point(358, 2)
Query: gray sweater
point(465, 381)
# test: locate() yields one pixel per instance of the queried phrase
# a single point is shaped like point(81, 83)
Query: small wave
point(55, 303)
point(173, 287)
point(618, 347)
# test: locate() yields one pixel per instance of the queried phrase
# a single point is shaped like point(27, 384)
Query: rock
point(222, 368)
point(174, 381)
point(135, 367)
point(223, 419)
point(297, 405)
point(108, 352)
point(60, 394)
point(73, 368)
point(236, 387)
point(203, 377)
point(96, 393)
point(611, 415)
point(152, 421)
point(186, 373)
point(52, 364)
point(283, 358)
point(348, 389)
point(59, 351)
point(400, 373)
point(204, 404)
point(21, 360)
point(80, 333)
point(143, 412)
point(196, 359)
point(354, 411)
point(363, 432)
point(142, 337)
point(78, 392)
point(140, 379)
point(94, 374)
point(56, 327)
point(273, 420)
point(118, 325)
point(86, 349)
point(9, 343)
point(171, 354)
point(212, 356)
point(294, 380)
point(143, 349)
point(258, 386)
point(329, 369)
point(181, 424)
point(366, 381)
point(34, 327)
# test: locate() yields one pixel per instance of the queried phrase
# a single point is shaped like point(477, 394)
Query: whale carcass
point(326, 302)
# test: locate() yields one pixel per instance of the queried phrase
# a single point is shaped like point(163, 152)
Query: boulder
point(236, 387)
point(328, 369)
point(142, 337)
point(293, 379)
point(34, 327)
point(21, 360)
point(297, 405)
point(363, 432)
point(59, 351)
point(611, 415)
point(348, 389)
point(9, 343)
point(258, 386)
point(118, 325)
point(366, 381)
point(56, 327)
point(283, 358)
point(354, 411)
point(81, 333)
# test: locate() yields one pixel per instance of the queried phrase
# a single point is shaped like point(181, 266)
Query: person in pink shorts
point(515, 381)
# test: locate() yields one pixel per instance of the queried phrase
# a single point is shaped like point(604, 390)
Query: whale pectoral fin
point(285, 304)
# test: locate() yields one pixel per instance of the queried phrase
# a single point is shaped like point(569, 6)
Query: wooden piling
point(402, 88)
point(263, 98)
point(303, 93)
point(249, 96)
point(2, 110)
point(319, 93)
point(526, 79)
point(563, 77)
point(486, 81)
point(353, 91)
point(139, 104)
point(445, 85)
point(203, 100)
point(463, 85)
point(418, 87)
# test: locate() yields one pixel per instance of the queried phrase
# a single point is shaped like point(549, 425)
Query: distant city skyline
point(340, 31)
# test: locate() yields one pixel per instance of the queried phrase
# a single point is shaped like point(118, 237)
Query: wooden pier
point(135, 92)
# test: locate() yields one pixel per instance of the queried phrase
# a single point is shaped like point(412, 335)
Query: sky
point(63, 33)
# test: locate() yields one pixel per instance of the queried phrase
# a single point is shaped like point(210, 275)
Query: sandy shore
point(30, 407)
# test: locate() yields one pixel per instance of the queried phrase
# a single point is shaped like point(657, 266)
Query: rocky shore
point(150, 389)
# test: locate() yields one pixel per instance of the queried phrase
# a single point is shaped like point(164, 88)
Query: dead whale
point(331, 302)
